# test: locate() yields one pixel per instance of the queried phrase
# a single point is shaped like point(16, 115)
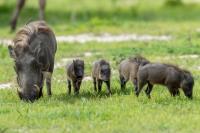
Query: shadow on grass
point(90, 95)
point(166, 100)
point(163, 99)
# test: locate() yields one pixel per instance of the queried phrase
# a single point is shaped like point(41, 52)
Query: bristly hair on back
point(177, 68)
point(138, 59)
point(25, 34)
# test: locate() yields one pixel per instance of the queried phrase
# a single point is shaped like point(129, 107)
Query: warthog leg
point(122, 82)
point(135, 85)
point(99, 82)
point(148, 90)
point(42, 7)
point(108, 86)
point(76, 91)
point(95, 84)
point(48, 82)
point(188, 92)
point(141, 84)
point(78, 84)
point(13, 22)
point(69, 86)
point(174, 92)
point(41, 93)
point(177, 92)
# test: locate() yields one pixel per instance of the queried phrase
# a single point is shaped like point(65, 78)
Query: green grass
point(122, 112)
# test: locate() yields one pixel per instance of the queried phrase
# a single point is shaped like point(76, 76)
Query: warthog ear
point(43, 29)
point(144, 63)
point(11, 52)
point(83, 64)
point(74, 62)
point(37, 89)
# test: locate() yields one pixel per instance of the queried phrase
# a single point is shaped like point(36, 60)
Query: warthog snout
point(188, 92)
point(29, 95)
point(189, 96)
point(79, 77)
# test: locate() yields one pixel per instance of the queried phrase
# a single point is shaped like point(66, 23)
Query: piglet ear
point(144, 63)
point(74, 62)
point(12, 52)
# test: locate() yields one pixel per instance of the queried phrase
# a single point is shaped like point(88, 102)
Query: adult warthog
point(33, 53)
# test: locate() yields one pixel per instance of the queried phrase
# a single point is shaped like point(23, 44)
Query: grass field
point(123, 111)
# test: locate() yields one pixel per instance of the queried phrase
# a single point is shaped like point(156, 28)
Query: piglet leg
point(76, 91)
point(108, 87)
point(122, 82)
point(99, 85)
point(48, 83)
point(148, 90)
point(95, 84)
point(135, 85)
point(69, 86)
point(141, 84)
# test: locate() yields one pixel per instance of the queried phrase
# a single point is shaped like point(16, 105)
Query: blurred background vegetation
point(122, 112)
point(75, 16)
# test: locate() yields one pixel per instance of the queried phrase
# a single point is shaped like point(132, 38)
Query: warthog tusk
point(18, 90)
point(38, 89)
